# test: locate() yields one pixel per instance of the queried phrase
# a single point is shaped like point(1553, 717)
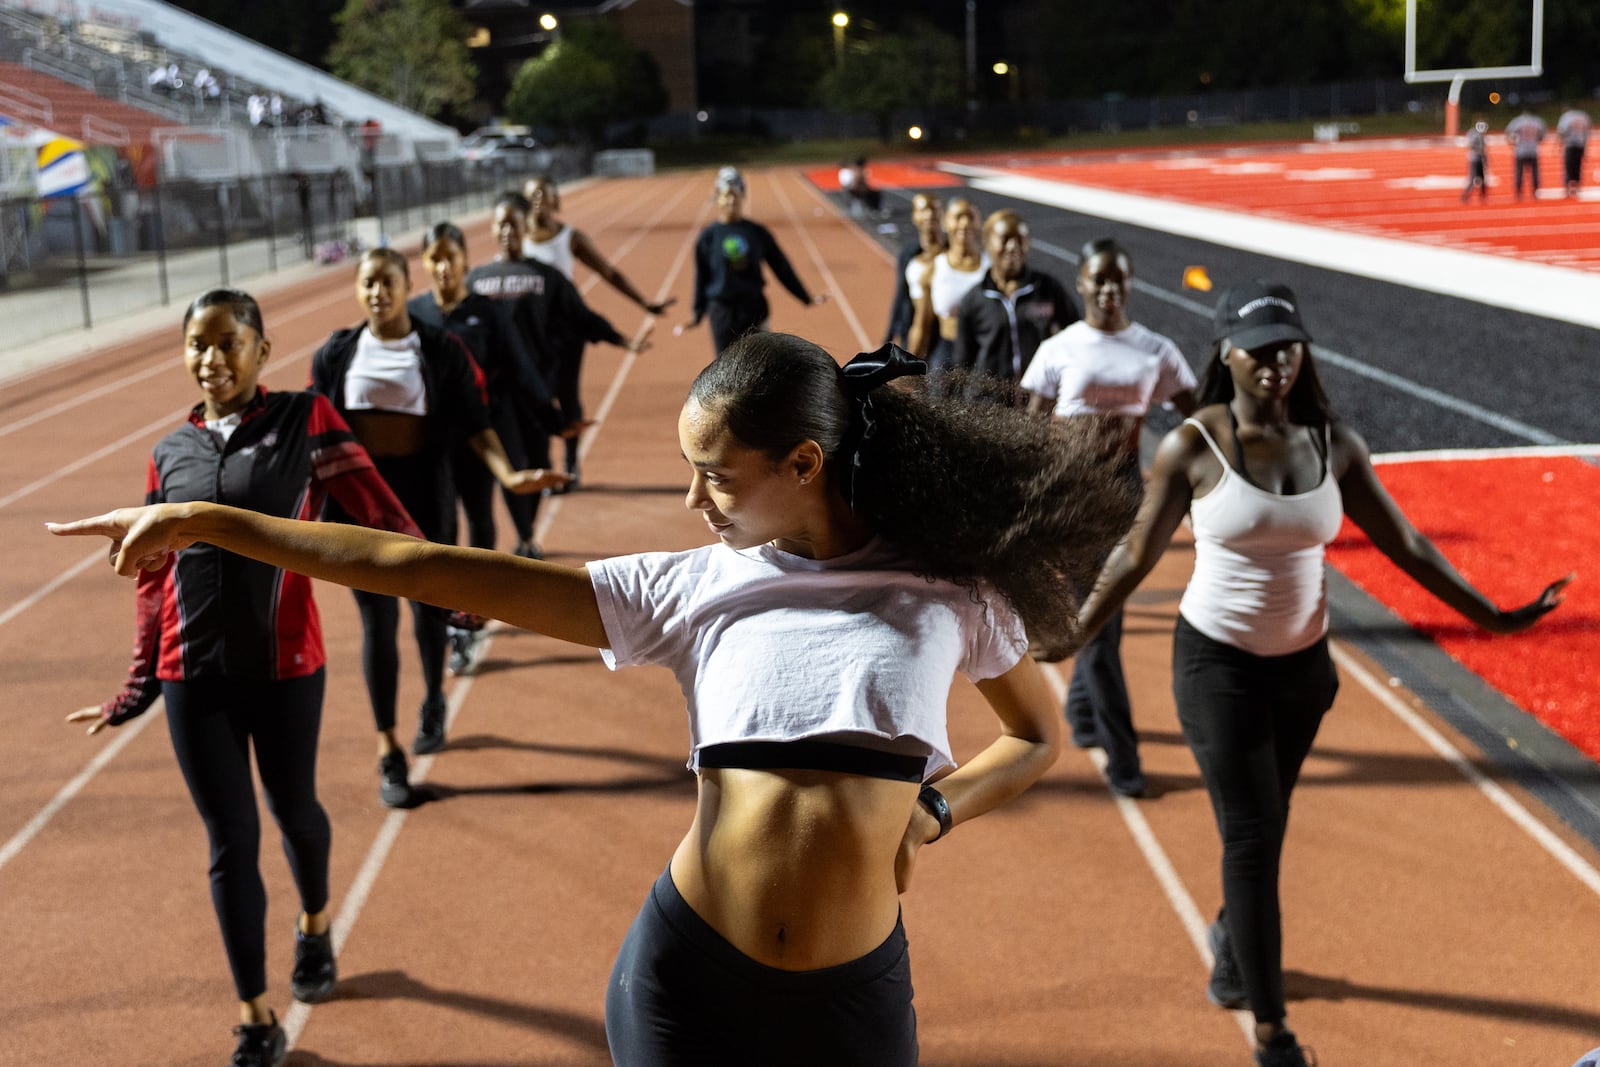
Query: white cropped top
point(768, 646)
point(1258, 580)
point(557, 251)
point(386, 376)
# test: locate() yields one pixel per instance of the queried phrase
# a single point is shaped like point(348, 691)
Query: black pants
point(422, 482)
point(1250, 721)
point(1572, 163)
point(213, 723)
point(1528, 165)
point(475, 485)
point(681, 995)
point(1476, 179)
point(732, 319)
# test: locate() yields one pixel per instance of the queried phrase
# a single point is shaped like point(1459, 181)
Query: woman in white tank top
point(1265, 475)
point(552, 241)
point(937, 284)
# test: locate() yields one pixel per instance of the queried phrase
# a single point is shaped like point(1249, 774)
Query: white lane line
point(1178, 895)
point(834, 289)
point(52, 585)
point(1454, 455)
point(124, 737)
point(1559, 850)
point(161, 367)
point(298, 1015)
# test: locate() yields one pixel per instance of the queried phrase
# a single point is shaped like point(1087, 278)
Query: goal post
point(1459, 76)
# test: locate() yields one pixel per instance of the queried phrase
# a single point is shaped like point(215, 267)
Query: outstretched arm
point(1371, 507)
point(544, 597)
point(1029, 742)
point(585, 252)
point(1166, 501)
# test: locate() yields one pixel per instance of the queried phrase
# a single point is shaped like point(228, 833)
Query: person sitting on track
point(234, 647)
point(871, 542)
point(728, 280)
point(410, 391)
point(1265, 472)
point(938, 284)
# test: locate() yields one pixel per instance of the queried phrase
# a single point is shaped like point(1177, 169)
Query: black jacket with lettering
point(998, 335)
point(547, 308)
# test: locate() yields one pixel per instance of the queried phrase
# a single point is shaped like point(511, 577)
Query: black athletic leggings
point(682, 996)
point(213, 723)
point(1250, 721)
point(475, 485)
point(732, 319)
point(422, 482)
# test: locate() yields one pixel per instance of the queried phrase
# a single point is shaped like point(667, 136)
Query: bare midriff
point(949, 326)
point(795, 868)
point(389, 433)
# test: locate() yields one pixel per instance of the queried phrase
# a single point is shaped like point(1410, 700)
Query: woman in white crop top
point(815, 640)
point(552, 241)
point(937, 284)
point(1265, 474)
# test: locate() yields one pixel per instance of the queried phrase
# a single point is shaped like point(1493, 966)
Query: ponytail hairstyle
point(969, 491)
point(240, 303)
point(1308, 403)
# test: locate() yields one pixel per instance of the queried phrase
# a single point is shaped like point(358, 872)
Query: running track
point(1431, 915)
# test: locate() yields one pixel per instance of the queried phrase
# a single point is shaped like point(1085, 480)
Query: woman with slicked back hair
point(235, 649)
point(870, 543)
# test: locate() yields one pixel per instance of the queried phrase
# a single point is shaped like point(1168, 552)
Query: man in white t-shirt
point(1107, 366)
point(1524, 133)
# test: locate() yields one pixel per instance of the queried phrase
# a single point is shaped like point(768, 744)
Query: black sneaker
point(315, 972)
point(1284, 1051)
point(527, 550)
point(260, 1045)
point(1226, 988)
point(430, 726)
point(394, 790)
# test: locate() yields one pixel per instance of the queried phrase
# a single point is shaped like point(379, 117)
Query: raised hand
point(141, 538)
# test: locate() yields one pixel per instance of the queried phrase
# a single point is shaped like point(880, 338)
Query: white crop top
point(948, 285)
point(1258, 580)
point(557, 251)
point(386, 376)
point(768, 646)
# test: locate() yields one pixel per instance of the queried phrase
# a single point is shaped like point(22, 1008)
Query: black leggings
point(475, 485)
point(732, 319)
point(1250, 721)
point(681, 995)
point(422, 482)
point(213, 723)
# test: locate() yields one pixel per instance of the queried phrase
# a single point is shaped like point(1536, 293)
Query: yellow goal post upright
point(1459, 76)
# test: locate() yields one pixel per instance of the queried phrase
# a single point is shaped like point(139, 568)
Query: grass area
point(716, 151)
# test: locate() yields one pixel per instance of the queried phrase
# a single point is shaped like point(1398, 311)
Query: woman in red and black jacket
point(235, 646)
point(409, 391)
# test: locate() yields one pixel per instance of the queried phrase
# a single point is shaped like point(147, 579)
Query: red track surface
point(480, 928)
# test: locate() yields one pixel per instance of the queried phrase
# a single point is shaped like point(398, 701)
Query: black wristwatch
point(938, 807)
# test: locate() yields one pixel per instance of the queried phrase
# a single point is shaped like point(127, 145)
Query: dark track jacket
point(210, 613)
point(727, 265)
point(998, 335)
point(511, 375)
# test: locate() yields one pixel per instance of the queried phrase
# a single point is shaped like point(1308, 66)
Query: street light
point(840, 21)
point(1001, 69)
point(1009, 72)
point(548, 22)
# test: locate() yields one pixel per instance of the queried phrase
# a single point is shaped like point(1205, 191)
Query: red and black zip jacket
point(210, 613)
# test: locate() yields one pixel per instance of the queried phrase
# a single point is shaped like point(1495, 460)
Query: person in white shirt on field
point(1573, 128)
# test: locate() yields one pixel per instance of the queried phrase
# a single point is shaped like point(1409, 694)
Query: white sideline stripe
point(51, 586)
point(127, 439)
point(1532, 288)
point(298, 1015)
point(1450, 455)
point(124, 737)
point(162, 367)
point(1558, 849)
point(1178, 895)
point(834, 290)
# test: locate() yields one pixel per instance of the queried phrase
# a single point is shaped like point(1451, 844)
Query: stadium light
point(548, 22)
point(1001, 68)
point(840, 21)
point(915, 133)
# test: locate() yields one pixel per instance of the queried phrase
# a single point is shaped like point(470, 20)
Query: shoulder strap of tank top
point(1205, 433)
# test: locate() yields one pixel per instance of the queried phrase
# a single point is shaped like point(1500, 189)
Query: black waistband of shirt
point(807, 755)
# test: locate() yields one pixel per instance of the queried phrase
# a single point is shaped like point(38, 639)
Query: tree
point(413, 52)
point(590, 77)
point(882, 75)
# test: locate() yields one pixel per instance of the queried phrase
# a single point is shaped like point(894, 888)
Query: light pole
point(972, 58)
point(840, 21)
point(1009, 72)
